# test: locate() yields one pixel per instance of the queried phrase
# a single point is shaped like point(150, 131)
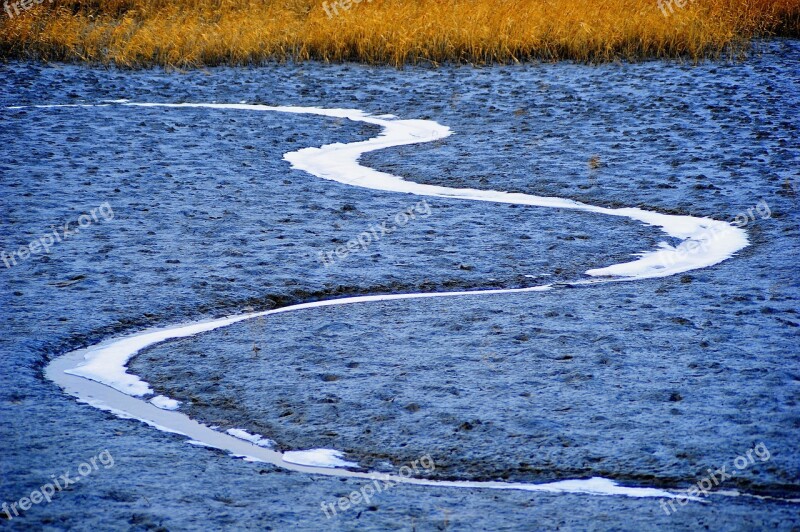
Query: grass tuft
point(190, 33)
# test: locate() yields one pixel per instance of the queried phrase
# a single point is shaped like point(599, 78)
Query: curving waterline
point(97, 375)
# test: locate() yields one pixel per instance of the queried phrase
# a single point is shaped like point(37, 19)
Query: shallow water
point(207, 223)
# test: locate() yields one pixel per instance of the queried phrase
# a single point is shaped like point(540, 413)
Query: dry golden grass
point(186, 33)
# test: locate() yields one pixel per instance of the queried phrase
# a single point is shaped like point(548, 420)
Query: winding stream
point(97, 375)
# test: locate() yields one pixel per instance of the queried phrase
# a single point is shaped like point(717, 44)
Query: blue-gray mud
point(648, 383)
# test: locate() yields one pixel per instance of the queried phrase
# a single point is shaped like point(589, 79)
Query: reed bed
point(191, 33)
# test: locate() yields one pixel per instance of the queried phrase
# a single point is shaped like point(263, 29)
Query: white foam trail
point(318, 458)
point(165, 403)
point(252, 438)
point(98, 374)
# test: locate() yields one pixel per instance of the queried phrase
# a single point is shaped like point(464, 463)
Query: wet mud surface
point(650, 383)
